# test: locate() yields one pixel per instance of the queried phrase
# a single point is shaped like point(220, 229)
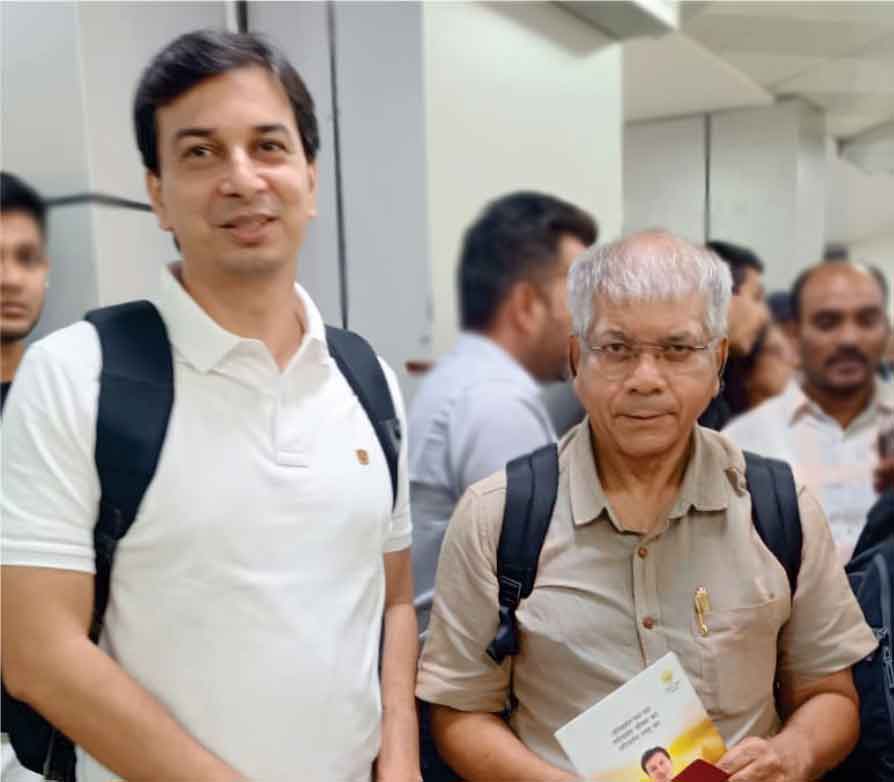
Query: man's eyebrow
point(276, 127)
point(201, 132)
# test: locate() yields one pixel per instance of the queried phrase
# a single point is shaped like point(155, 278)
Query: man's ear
point(722, 357)
point(527, 306)
point(573, 354)
point(153, 188)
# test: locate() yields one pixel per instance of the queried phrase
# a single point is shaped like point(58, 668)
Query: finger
point(738, 757)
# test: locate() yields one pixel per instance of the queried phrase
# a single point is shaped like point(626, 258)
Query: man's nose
point(647, 374)
point(10, 272)
point(241, 178)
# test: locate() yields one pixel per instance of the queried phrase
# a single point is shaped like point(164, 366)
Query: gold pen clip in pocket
point(702, 609)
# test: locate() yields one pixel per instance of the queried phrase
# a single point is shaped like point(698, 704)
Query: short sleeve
point(400, 531)
point(826, 632)
point(50, 487)
point(454, 669)
point(490, 428)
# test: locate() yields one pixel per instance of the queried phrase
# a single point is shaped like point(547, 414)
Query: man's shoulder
point(75, 349)
point(466, 389)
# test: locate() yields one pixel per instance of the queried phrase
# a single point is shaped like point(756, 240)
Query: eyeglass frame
point(659, 351)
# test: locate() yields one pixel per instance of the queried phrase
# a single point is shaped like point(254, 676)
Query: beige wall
point(518, 95)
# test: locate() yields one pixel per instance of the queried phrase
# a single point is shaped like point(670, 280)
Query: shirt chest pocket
point(738, 655)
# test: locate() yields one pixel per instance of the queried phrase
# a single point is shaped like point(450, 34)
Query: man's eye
point(826, 322)
point(272, 146)
point(199, 151)
point(678, 350)
point(28, 257)
point(616, 349)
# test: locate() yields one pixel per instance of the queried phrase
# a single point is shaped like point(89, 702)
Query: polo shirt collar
point(705, 485)
point(204, 343)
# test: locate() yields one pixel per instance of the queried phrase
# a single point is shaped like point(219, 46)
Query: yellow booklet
point(648, 730)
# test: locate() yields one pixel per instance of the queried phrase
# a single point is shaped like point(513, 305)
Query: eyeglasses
point(616, 360)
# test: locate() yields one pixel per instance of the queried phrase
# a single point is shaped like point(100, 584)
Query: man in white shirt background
point(481, 405)
point(827, 425)
point(247, 601)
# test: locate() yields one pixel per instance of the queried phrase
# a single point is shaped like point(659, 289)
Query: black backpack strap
point(136, 393)
point(774, 509)
point(360, 366)
point(532, 482)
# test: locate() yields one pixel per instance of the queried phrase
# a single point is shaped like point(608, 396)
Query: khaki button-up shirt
point(607, 603)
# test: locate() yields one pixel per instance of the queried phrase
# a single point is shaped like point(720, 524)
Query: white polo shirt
point(248, 594)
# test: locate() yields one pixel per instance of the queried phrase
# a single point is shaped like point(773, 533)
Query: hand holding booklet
point(654, 728)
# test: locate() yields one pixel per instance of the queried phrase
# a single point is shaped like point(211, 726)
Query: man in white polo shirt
point(242, 634)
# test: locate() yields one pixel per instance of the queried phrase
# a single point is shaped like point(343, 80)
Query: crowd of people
point(268, 617)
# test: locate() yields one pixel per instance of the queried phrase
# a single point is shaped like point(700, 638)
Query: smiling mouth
point(248, 223)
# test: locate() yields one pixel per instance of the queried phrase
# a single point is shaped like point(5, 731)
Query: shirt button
point(648, 623)
point(643, 552)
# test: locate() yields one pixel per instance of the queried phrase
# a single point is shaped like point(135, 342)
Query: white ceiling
point(838, 56)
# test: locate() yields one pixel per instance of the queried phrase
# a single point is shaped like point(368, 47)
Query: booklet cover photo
point(652, 729)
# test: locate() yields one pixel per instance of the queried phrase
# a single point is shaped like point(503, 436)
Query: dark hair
point(649, 753)
point(516, 237)
point(834, 253)
point(738, 258)
point(17, 196)
point(802, 279)
point(780, 304)
point(200, 55)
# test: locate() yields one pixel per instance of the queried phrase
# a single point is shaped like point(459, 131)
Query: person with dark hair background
point(748, 320)
point(827, 425)
point(480, 406)
point(657, 764)
point(24, 267)
point(260, 621)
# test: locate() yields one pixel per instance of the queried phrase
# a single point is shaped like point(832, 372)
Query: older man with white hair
point(651, 510)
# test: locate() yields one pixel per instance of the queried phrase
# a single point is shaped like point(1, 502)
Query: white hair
point(649, 266)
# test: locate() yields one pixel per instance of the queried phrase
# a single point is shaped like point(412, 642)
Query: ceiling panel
point(781, 35)
point(771, 68)
point(870, 12)
point(675, 76)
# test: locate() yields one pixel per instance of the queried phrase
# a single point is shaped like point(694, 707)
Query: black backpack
point(532, 482)
point(871, 574)
point(135, 399)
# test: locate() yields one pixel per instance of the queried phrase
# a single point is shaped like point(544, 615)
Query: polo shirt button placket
point(648, 622)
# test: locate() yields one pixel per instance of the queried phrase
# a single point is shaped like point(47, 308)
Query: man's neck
point(844, 408)
point(510, 341)
point(10, 357)
point(652, 483)
point(265, 308)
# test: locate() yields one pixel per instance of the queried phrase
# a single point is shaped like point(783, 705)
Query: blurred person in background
point(748, 318)
point(827, 425)
point(762, 374)
point(780, 305)
point(23, 282)
point(481, 406)
point(24, 267)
